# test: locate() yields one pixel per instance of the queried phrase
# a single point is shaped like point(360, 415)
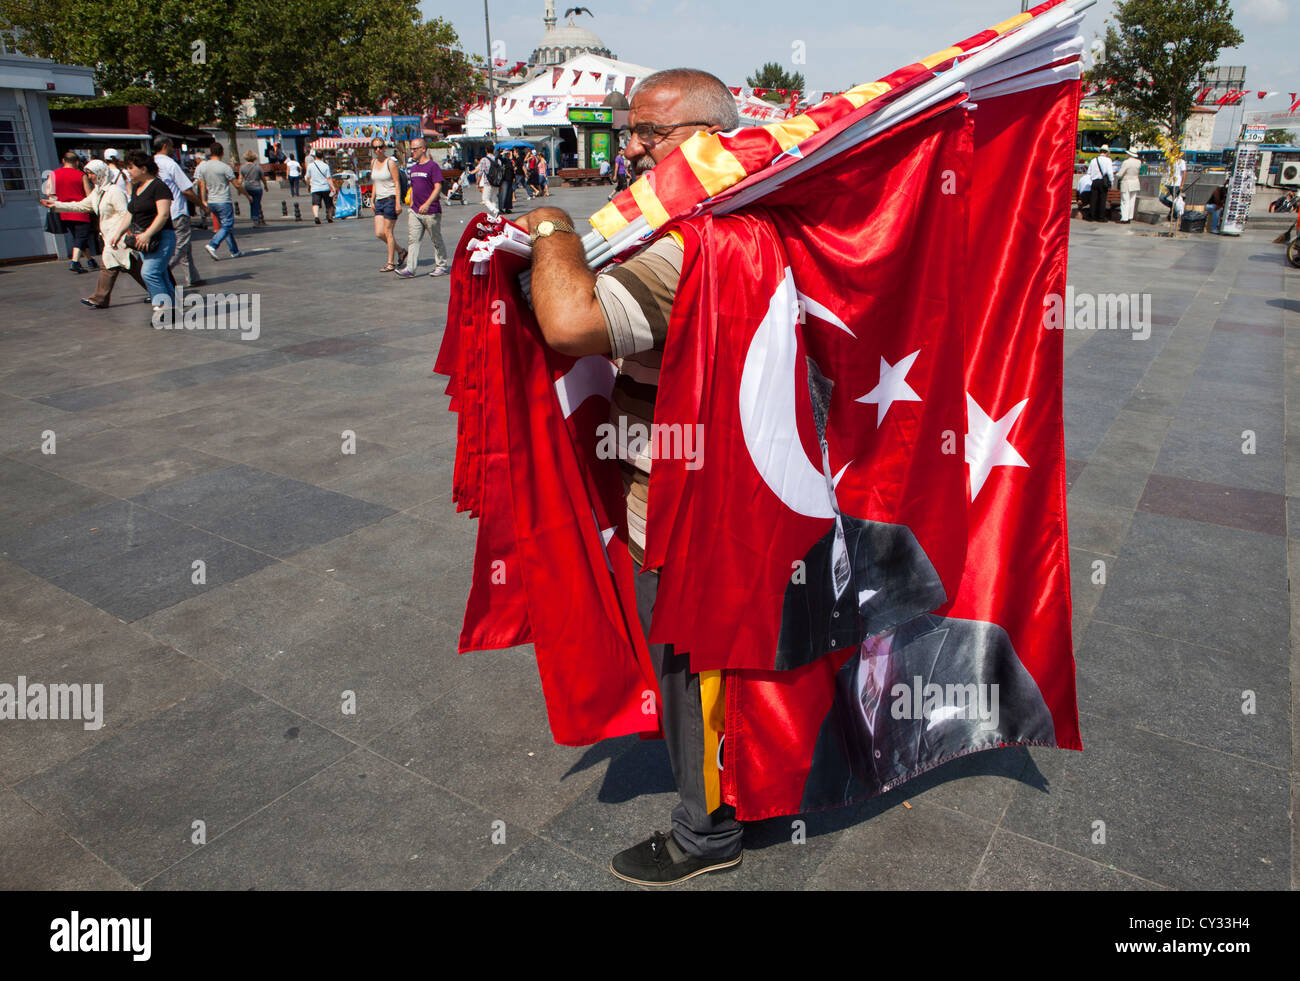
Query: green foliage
point(773, 76)
point(1283, 136)
point(299, 59)
point(1156, 51)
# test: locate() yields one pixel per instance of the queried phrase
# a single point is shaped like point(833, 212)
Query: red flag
point(943, 443)
point(735, 90)
point(551, 563)
point(1295, 103)
point(577, 75)
point(555, 76)
point(628, 82)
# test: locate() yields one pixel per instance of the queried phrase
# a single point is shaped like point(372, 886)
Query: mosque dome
point(563, 41)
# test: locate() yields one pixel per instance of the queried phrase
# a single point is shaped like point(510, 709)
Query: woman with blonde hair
point(386, 180)
point(109, 203)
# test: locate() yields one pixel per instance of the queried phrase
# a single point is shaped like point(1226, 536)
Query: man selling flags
point(813, 530)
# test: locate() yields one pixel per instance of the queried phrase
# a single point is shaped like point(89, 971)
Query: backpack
point(404, 182)
point(494, 174)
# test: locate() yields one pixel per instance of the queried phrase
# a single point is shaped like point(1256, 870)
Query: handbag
point(130, 242)
point(54, 222)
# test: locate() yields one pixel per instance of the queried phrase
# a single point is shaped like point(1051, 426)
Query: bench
point(1112, 204)
point(578, 176)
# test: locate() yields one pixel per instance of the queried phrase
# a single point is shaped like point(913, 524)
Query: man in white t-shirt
point(318, 182)
point(182, 188)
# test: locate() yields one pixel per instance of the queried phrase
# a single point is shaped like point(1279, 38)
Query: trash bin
point(1193, 221)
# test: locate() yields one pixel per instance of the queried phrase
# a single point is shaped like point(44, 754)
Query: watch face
point(545, 228)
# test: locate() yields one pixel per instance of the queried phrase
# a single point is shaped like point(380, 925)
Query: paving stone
point(1176, 814)
point(35, 854)
point(217, 757)
point(361, 824)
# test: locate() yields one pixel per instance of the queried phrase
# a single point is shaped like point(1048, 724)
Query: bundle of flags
point(865, 558)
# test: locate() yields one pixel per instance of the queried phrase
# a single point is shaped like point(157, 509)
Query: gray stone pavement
point(329, 573)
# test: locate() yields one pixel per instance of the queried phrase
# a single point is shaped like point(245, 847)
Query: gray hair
point(704, 96)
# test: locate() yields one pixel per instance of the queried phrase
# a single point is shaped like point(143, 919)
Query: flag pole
point(492, 95)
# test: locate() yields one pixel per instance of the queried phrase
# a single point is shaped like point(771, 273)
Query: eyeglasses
point(376, 146)
point(648, 134)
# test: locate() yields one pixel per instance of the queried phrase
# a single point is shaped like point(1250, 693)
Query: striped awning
point(334, 142)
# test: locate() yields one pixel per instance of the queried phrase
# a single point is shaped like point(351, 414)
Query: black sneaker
point(660, 861)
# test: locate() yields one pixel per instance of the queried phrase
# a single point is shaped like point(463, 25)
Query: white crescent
point(768, 386)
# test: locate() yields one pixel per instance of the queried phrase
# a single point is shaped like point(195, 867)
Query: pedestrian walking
point(150, 231)
point(543, 172)
point(508, 174)
point(318, 183)
point(294, 171)
point(620, 173)
point(69, 183)
point(109, 203)
point(215, 179)
point(488, 174)
point(1129, 185)
point(182, 191)
point(253, 179)
point(385, 180)
point(425, 213)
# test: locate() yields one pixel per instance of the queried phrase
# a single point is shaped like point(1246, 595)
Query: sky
point(846, 43)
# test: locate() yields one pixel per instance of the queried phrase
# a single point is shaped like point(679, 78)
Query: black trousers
point(705, 834)
point(1099, 207)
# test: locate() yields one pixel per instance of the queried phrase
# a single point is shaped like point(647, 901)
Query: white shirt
point(293, 167)
point(170, 173)
point(1180, 168)
point(1085, 183)
point(1100, 167)
point(318, 171)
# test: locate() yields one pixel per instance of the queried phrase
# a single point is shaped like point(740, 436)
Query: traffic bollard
point(297, 214)
point(284, 208)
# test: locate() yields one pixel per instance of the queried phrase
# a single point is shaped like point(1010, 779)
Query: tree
point(295, 58)
point(1279, 136)
point(772, 76)
point(1155, 53)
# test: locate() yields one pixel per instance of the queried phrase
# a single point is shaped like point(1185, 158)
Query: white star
point(986, 443)
point(893, 387)
point(605, 535)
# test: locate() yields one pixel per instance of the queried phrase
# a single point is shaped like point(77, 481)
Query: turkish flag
point(551, 562)
point(890, 301)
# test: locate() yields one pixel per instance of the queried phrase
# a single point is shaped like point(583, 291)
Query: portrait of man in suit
point(919, 689)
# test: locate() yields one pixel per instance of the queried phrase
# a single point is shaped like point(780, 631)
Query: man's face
point(661, 106)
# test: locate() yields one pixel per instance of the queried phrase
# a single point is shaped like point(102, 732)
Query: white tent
point(583, 80)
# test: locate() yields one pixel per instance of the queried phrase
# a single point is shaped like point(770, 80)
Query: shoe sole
point(676, 882)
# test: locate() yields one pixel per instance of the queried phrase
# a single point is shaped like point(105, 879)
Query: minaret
point(549, 18)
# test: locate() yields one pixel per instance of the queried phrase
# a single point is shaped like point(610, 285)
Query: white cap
point(110, 154)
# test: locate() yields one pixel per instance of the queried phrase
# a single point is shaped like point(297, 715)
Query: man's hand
point(530, 221)
point(562, 289)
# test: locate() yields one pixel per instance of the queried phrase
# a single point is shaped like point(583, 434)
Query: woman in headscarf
point(106, 200)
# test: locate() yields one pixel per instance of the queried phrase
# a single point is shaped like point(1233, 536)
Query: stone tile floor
point(327, 573)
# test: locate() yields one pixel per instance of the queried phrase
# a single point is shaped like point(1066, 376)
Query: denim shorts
point(387, 208)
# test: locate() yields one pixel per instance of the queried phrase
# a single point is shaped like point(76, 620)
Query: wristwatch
point(547, 228)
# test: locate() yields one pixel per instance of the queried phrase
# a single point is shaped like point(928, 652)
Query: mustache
point(643, 165)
